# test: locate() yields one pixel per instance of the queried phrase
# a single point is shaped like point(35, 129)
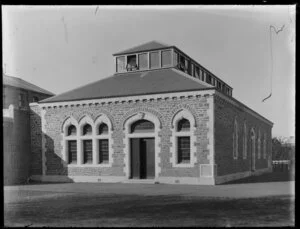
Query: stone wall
point(53, 118)
point(36, 140)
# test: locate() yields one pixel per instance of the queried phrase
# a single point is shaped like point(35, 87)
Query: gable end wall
point(225, 113)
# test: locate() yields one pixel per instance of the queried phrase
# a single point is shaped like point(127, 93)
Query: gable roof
point(133, 83)
point(20, 83)
point(144, 47)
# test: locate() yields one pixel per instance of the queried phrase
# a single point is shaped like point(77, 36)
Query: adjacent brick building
point(17, 94)
point(161, 117)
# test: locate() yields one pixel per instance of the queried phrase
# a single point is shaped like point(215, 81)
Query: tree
point(280, 150)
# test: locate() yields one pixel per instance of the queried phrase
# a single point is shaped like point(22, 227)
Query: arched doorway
point(252, 149)
point(142, 149)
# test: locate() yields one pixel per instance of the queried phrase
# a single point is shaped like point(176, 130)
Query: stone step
point(140, 181)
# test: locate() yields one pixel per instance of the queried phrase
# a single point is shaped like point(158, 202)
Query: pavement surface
point(248, 190)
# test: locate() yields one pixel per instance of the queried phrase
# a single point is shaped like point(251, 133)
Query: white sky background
point(62, 47)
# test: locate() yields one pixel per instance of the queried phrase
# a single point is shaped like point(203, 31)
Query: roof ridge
point(162, 43)
point(142, 44)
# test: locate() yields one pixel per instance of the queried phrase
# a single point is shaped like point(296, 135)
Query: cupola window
point(208, 78)
point(154, 59)
point(143, 61)
point(197, 73)
point(166, 58)
point(131, 63)
point(121, 64)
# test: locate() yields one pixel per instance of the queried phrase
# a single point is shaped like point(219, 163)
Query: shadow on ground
point(267, 177)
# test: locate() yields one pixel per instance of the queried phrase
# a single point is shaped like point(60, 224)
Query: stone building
point(161, 117)
point(17, 94)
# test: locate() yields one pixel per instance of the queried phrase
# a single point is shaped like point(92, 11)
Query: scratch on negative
point(96, 10)
point(65, 29)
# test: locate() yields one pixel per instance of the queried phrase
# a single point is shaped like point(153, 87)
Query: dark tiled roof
point(19, 83)
point(144, 47)
point(134, 83)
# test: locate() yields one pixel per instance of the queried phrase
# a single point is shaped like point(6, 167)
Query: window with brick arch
point(183, 125)
point(103, 143)
point(103, 129)
point(87, 129)
point(103, 151)
point(72, 151)
point(265, 146)
point(87, 144)
point(70, 136)
point(235, 140)
point(183, 142)
point(259, 145)
point(88, 151)
point(72, 130)
point(245, 137)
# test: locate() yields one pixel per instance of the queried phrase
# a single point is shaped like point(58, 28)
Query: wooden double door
point(142, 158)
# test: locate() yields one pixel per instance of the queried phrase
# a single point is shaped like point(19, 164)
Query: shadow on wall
point(41, 148)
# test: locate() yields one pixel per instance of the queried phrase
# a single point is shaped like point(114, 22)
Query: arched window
point(183, 139)
point(71, 130)
point(183, 142)
point(103, 143)
point(252, 148)
point(142, 126)
point(72, 145)
point(70, 148)
point(235, 140)
point(265, 146)
point(259, 145)
point(103, 129)
point(245, 141)
point(183, 125)
point(87, 130)
point(87, 141)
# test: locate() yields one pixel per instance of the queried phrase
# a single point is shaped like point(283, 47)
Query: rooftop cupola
point(155, 55)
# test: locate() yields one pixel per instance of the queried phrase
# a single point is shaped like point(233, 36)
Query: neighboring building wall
point(11, 96)
point(50, 146)
point(16, 147)
point(17, 132)
point(225, 114)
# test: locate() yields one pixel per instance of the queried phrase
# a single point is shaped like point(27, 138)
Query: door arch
point(142, 153)
point(145, 126)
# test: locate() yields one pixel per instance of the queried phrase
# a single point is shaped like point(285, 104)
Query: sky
point(60, 48)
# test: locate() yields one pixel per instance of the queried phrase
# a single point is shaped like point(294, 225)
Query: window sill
point(183, 165)
point(88, 165)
